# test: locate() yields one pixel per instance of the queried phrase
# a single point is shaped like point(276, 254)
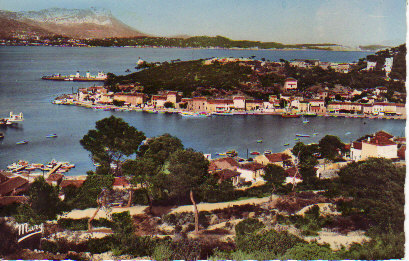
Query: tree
point(329, 146)
point(143, 170)
point(275, 176)
point(310, 251)
point(188, 171)
point(377, 188)
point(111, 141)
point(160, 148)
point(44, 199)
point(91, 189)
point(169, 105)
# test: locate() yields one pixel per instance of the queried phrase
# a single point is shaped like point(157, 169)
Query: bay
point(22, 90)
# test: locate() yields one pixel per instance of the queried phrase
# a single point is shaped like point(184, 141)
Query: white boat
point(51, 135)
point(22, 142)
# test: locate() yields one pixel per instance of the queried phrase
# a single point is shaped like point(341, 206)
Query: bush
point(276, 242)
point(309, 251)
point(248, 226)
point(101, 245)
point(8, 238)
point(82, 224)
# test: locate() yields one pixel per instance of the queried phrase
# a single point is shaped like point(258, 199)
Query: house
point(13, 186)
point(292, 176)
point(227, 174)
point(71, 182)
point(402, 152)
point(158, 101)
point(121, 183)
point(253, 105)
point(370, 65)
point(197, 104)
point(290, 84)
point(173, 97)
point(379, 145)
point(219, 105)
point(317, 106)
point(387, 67)
point(239, 103)
point(279, 159)
point(223, 163)
point(134, 99)
point(251, 172)
point(54, 179)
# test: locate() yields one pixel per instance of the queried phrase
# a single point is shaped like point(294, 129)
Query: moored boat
point(302, 135)
point(51, 135)
point(22, 142)
point(255, 153)
point(290, 115)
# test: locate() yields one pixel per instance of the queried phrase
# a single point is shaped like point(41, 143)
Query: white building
point(290, 84)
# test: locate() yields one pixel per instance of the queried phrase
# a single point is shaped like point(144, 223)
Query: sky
point(347, 22)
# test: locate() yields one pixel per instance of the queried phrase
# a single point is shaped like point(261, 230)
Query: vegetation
point(110, 142)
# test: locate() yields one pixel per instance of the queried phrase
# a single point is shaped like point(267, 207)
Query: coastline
point(260, 113)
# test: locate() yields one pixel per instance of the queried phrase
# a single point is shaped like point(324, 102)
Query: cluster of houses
point(320, 101)
point(378, 145)
point(381, 144)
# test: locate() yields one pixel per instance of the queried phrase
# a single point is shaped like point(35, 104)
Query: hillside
point(74, 23)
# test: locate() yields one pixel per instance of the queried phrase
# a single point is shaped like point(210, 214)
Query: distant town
point(289, 102)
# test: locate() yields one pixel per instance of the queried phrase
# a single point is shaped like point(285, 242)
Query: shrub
point(248, 226)
point(8, 238)
point(309, 251)
point(276, 242)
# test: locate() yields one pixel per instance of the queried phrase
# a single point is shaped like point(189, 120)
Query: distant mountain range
point(75, 23)
point(97, 23)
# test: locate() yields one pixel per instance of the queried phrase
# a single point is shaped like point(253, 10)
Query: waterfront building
point(279, 159)
point(158, 101)
point(253, 105)
point(379, 145)
point(134, 99)
point(239, 103)
point(219, 105)
point(197, 104)
point(251, 172)
point(290, 84)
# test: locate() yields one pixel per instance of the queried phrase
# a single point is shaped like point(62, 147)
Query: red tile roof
point(11, 185)
point(292, 171)
point(357, 145)
point(226, 174)
point(3, 177)
point(254, 166)
point(380, 141)
point(277, 157)
point(383, 134)
point(220, 101)
point(401, 152)
point(54, 177)
point(8, 200)
point(75, 183)
point(223, 163)
point(120, 181)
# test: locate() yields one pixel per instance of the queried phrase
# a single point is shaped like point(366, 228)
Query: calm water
point(22, 90)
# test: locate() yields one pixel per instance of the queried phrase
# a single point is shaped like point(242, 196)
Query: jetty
point(59, 164)
point(13, 119)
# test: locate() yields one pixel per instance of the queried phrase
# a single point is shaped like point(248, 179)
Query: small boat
point(348, 133)
point(287, 144)
point(302, 135)
point(311, 114)
point(267, 152)
point(231, 153)
point(297, 139)
point(259, 141)
point(22, 142)
point(1, 135)
point(51, 135)
point(305, 121)
point(255, 153)
point(221, 154)
point(290, 115)
point(314, 134)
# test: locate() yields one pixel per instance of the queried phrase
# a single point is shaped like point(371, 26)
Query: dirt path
point(136, 210)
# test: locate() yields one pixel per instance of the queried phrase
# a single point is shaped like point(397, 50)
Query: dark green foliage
point(8, 238)
point(44, 203)
point(82, 224)
point(377, 188)
point(310, 251)
point(329, 146)
point(276, 242)
point(188, 171)
point(62, 245)
point(111, 141)
point(169, 105)
point(159, 148)
point(101, 245)
point(274, 176)
point(383, 247)
point(90, 190)
point(248, 226)
point(213, 191)
point(118, 103)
